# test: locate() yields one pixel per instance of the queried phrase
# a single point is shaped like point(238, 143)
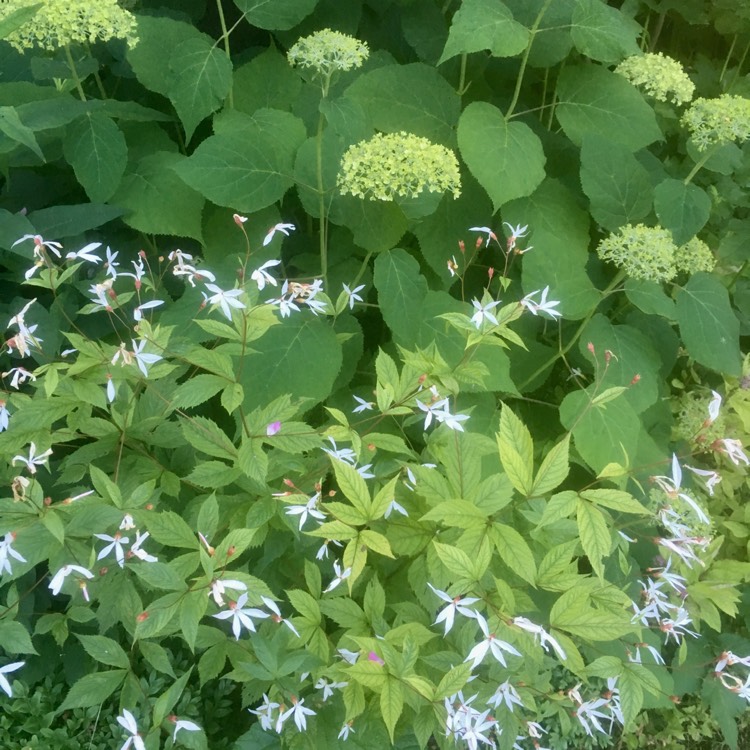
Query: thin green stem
point(739, 66)
point(225, 37)
point(699, 164)
point(611, 286)
point(462, 75)
point(74, 73)
point(323, 233)
point(544, 94)
point(657, 30)
point(727, 58)
point(525, 59)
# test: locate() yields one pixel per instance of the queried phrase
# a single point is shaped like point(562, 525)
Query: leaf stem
point(225, 37)
point(323, 232)
point(525, 59)
point(74, 72)
point(727, 58)
point(699, 164)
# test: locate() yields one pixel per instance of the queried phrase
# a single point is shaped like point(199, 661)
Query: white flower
point(59, 578)
point(143, 359)
point(33, 460)
point(276, 614)
point(350, 657)
point(86, 253)
point(111, 263)
point(712, 478)
point(6, 550)
point(589, 712)
point(141, 554)
point(345, 731)
point(543, 305)
point(727, 658)
point(127, 721)
point(115, 543)
point(299, 712)
point(544, 636)
point(188, 726)
point(323, 550)
point(515, 233)
point(283, 228)
point(340, 576)
point(457, 604)
point(483, 312)
point(4, 416)
point(714, 406)
point(310, 508)
point(486, 230)
point(352, 295)
point(671, 486)
point(733, 449)
point(347, 455)
point(264, 712)
point(677, 627)
point(492, 644)
point(40, 242)
point(363, 405)
point(393, 506)
point(138, 312)
point(20, 376)
point(506, 694)
point(225, 299)
point(4, 684)
point(328, 687)
point(241, 615)
point(261, 277)
point(219, 588)
point(736, 685)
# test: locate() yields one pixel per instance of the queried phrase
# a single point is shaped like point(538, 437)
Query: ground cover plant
point(374, 373)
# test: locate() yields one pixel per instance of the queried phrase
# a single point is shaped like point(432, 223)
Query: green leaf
point(93, 689)
point(104, 650)
point(248, 164)
point(514, 551)
point(649, 297)
point(192, 609)
point(17, 18)
point(376, 542)
point(157, 657)
point(592, 99)
point(391, 704)
point(594, 534)
point(603, 33)
point(305, 604)
point(682, 209)
point(484, 25)
point(208, 516)
point(232, 397)
point(457, 513)
point(157, 200)
point(11, 125)
point(105, 487)
point(401, 291)
point(213, 474)
point(709, 327)
point(201, 79)
point(631, 697)
point(616, 183)
point(276, 365)
point(70, 221)
point(413, 97)
point(171, 529)
point(507, 159)
point(197, 390)
point(14, 638)
point(573, 613)
point(516, 451)
point(346, 613)
point(96, 149)
point(266, 81)
point(453, 681)
point(168, 700)
point(206, 436)
point(617, 500)
point(277, 15)
point(158, 575)
point(456, 561)
point(554, 469)
point(350, 482)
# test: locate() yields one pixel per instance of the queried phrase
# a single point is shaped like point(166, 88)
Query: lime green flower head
point(659, 76)
point(398, 164)
point(643, 252)
point(59, 23)
point(328, 51)
point(721, 120)
point(694, 256)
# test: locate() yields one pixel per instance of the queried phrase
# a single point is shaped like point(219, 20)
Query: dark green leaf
point(682, 209)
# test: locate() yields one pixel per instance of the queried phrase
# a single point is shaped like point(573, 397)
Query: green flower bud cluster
point(659, 76)
point(721, 120)
point(59, 23)
point(398, 164)
point(650, 254)
point(328, 51)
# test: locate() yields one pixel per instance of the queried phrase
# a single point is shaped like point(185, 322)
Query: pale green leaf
point(514, 551)
point(594, 534)
point(516, 451)
point(554, 469)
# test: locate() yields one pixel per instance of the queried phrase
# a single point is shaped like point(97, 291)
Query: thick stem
point(74, 73)
point(462, 75)
point(615, 282)
point(699, 164)
point(225, 37)
point(525, 59)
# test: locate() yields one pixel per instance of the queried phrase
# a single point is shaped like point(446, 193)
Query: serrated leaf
point(514, 551)
point(516, 451)
point(594, 534)
point(206, 436)
point(484, 25)
point(350, 482)
point(159, 575)
point(232, 397)
point(104, 650)
point(11, 126)
point(17, 18)
point(192, 609)
point(197, 390)
point(456, 561)
point(573, 613)
point(618, 500)
point(167, 700)
point(506, 158)
point(93, 689)
point(391, 704)
point(157, 657)
point(305, 604)
point(213, 474)
point(709, 327)
point(560, 505)
point(376, 542)
point(168, 528)
point(554, 469)
point(14, 638)
point(453, 681)
point(201, 78)
point(682, 209)
point(346, 613)
point(456, 513)
point(277, 15)
point(631, 697)
point(603, 33)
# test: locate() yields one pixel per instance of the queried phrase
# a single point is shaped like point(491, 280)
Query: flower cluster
point(398, 165)
point(659, 76)
point(265, 713)
point(328, 51)
point(720, 120)
point(59, 23)
point(438, 408)
point(649, 253)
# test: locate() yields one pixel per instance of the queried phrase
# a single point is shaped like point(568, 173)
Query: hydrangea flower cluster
point(59, 23)
point(398, 164)
point(720, 120)
point(328, 51)
point(649, 253)
point(659, 76)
